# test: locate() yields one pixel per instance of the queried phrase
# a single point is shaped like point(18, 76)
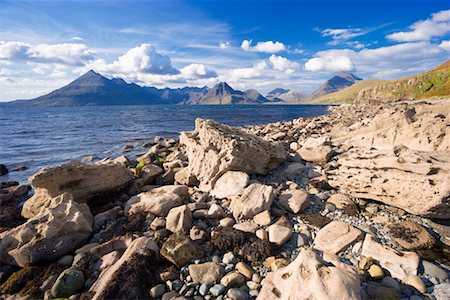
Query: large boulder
point(123, 279)
point(57, 229)
point(307, 277)
point(158, 201)
point(255, 199)
point(83, 181)
point(215, 148)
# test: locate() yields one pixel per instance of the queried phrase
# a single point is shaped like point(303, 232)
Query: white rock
point(256, 198)
point(230, 184)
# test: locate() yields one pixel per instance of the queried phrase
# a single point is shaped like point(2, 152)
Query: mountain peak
point(348, 76)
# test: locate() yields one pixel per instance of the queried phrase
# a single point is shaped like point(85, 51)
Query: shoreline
point(293, 189)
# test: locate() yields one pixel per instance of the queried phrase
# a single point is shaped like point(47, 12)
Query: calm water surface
point(46, 136)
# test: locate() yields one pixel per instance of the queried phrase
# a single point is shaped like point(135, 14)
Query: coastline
point(319, 188)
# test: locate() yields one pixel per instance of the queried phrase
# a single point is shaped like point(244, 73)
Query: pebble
point(256, 278)
point(229, 258)
point(157, 291)
point(245, 270)
point(217, 289)
point(390, 282)
point(416, 282)
point(227, 222)
point(433, 270)
point(233, 279)
point(262, 234)
point(203, 289)
point(237, 294)
point(375, 272)
point(66, 260)
point(279, 234)
point(68, 283)
point(253, 285)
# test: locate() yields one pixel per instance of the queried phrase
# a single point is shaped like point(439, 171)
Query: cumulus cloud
point(283, 64)
point(445, 45)
point(68, 53)
point(267, 47)
point(437, 25)
point(224, 45)
point(328, 62)
point(194, 71)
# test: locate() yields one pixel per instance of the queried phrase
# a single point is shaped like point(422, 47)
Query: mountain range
point(94, 89)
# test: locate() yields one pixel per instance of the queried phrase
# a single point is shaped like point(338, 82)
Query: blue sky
point(249, 44)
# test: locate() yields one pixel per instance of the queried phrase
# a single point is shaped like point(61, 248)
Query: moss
point(18, 280)
point(32, 286)
point(315, 220)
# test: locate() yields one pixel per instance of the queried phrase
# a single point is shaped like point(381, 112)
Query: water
point(47, 136)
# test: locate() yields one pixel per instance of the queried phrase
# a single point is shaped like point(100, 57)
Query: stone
point(213, 149)
point(183, 177)
point(263, 218)
point(229, 258)
point(247, 226)
point(335, 237)
point(442, 291)
point(294, 169)
point(69, 282)
point(279, 234)
point(207, 273)
point(255, 199)
point(316, 279)
point(377, 291)
point(237, 294)
point(158, 223)
point(410, 235)
point(245, 270)
point(375, 272)
point(157, 291)
point(294, 200)
point(179, 219)
point(109, 285)
point(390, 282)
point(230, 184)
point(315, 150)
point(180, 250)
point(85, 183)
point(150, 172)
point(66, 260)
point(198, 235)
point(157, 201)
point(227, 222)
point(3, 170)
point(416, 282)
point(262, 234)
point(217, 290)
point(216, 211)
point(233, 279)
point(433, 270)
point(343, 202)
point(399, 264)
point(56, 230)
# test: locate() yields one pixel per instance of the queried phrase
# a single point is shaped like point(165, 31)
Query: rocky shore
point(350, 205)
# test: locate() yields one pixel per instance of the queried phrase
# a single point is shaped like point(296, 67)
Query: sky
point(263, 45)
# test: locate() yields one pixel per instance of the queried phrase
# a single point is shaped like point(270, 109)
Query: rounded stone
point(229, 258)
point(157, 291)
point(69, 282)
point(237, 294)
point(416, 282)
point(375, 272)
point(433, 270)
point(66, 260)
point(217, 290)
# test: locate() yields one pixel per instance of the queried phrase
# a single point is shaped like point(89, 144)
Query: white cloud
point(224, 45)
point(424, 30)
point(267, 47)
point(326, 61)
point(194, 71)
point(77, 38)
point(445, 45)
point(340, 35)
point(68, 53)
point(283, 64)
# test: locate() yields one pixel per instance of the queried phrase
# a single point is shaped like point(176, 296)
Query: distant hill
point(286, 96)
point(340, 81)
point(433, 84)
point(222, 93)
point(347, 95)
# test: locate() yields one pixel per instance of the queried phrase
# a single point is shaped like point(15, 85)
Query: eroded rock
point(336, 236)
point(256, 198)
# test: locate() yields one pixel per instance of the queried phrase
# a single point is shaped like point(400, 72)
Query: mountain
point(434, 84)
point(285, 96)
point(346, 95)
point(340, 81)
point(222, 93)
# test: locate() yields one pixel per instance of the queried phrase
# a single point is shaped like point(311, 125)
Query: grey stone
point(237, 294)
point(157, 291)
point(68, 283)
point(432, 270)
point(217, 289)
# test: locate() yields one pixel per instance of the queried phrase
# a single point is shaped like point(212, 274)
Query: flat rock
point(230, 184)
point(294, 200)
point(233, 279)
point(179, 219)
point(150, 172)
point(315, 150)
point(180, 250)
point(246, 226)
point(263, 218)
point(410, 235)
point(214, 148)
point(279, 234)
point(335, 237)
point(157, 201)
point(399, 264)
point(307, 277)
point(56, 230)
point(256, 198)
point(85, 182)
point(206, 273)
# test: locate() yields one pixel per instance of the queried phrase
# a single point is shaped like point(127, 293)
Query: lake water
point(46, 136)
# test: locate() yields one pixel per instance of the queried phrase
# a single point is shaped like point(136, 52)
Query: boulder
point(316, 150)
point(214, 148)
point(335, 237)
point(125, 276)
point(294, 200)
point(182, 176)
point(230, 184)
point(3, 170)
point(399, 264)
point(179, 219)
point(206, 273)
point(180, 250)
point(56, 230)
point(256, 198)
point(410, 235)
point(150, 172)
point(414, 181)
point(157, 201)
point(85, 182)
point(307, 277)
